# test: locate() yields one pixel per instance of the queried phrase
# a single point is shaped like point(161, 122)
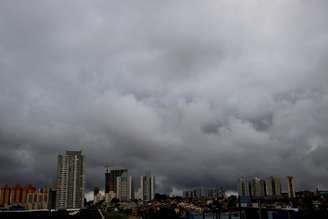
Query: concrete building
point(38, 199)
point(273, 186)
point(109, 196)
point(98, 196)
point(147, 185)
point(70, 180)
point(270, 186)
point(277, 186)
point(15, 195)
point(257, 187)
point(243, 187)
point(107, 177)
point(204, 193)
point(138, 194)
point(28, 197)
point(124, 187)
point(291, 187)
point(111, 179)
point(5, 192)
point(52, 199)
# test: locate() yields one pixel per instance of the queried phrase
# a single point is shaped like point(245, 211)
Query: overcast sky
point(199, 92)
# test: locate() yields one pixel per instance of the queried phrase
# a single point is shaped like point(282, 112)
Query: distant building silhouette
point(38, 199)
point(270, 188)
point(243, 187)
point(277, 186)
point(204, 193)
point(107, 177)
point(5, 195)
point(124, 187)
point(70, 180)
point(27, 197)
point(291, 187)
point(52, 199)
point(147, 184)
point(257, 187)
point(111, 179)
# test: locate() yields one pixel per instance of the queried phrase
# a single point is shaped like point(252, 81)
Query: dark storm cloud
point(200, 92)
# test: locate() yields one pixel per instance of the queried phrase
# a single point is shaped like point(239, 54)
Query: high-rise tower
point(70, 180)
point(257, 187)
point(277, 186)
point(124, 187)
point(291, 187)
point(147, 187)
point(111, 179)
point(243, 187)
point(270, 186)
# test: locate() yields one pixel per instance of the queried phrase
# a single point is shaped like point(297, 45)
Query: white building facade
point(70, 180)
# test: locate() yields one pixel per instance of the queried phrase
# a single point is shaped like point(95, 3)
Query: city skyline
point(200, 92)
point(113, 173)
point(119, 184)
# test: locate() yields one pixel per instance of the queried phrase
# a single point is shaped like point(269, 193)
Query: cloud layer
point(200, 92)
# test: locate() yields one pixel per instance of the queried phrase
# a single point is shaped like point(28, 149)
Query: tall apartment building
point(28, 197)
point(5, 195)
point(70, 180)
point(243, 187)
point(107, 177)
point(147, 187)
point(204, 193)
point(16, 195)
point(257, 187)
point(277, 186)
point(124, 187)
point(270, 186)
point(291, 187)
point(38, 199)
point(111, 179)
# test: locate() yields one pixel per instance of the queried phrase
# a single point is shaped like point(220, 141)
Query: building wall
point(107, 178)
point(70, 180)
point(269, 186)
point(243, 187)
point(38, 199)
point(1, 196)
point(28, 196)
point(123, 190)
point(257, 187)
point(148, 188)
point(291, 187)
point(7, 193)
point(111, 184)
point(277, 184)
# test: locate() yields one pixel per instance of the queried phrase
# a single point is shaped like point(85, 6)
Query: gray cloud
point(200, 92)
